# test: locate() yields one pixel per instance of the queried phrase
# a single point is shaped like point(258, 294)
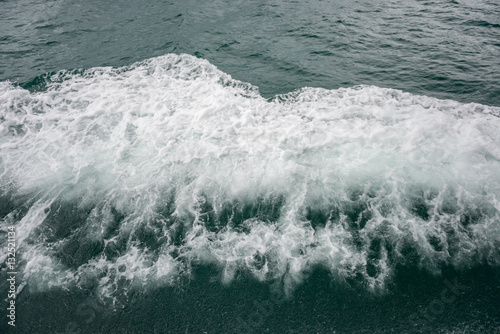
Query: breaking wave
point(129, 177)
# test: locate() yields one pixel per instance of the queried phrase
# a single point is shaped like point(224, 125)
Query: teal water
point(445, 49)
point(251, 167)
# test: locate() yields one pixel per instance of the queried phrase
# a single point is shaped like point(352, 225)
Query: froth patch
point(136, 174)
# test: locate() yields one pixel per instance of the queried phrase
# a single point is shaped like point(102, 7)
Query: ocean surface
point(250, 166)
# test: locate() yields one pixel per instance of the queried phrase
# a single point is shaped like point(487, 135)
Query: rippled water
point(252, 167)
point(445, 49)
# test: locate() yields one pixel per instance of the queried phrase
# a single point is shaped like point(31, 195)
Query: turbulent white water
point(130, 176)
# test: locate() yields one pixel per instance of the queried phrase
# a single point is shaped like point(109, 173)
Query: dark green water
point(251, 166)
point(446, 49)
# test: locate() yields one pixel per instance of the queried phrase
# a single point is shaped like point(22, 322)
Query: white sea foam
point(138, 173)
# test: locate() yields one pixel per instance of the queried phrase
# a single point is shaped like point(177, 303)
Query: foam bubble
point(136, 174)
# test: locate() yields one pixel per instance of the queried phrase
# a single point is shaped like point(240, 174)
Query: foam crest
point(137, 174)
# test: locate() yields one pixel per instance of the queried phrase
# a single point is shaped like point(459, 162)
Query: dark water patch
point(320, 217)
point(324, 305)
point(66, 217)
point(482, 23)
point(116, 247)
point(40, 83)
point(357, 212)
point(310, 36)
point(14, 206)
point(227, 45)
point(420, 208)
point(148, 237)
point(236, 213)
point(112, 229)
point(436, 243)
point(375, 255)
point(322, 53)
point(47, 26)
point(10, 205)
point(410, 256)
point(78, 250)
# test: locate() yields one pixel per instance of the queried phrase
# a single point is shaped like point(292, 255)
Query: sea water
point(329, 168)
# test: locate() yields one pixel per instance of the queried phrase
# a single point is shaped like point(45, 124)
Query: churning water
point(161, 194)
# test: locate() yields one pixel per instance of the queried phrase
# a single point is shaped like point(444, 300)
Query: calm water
point(250, 166)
